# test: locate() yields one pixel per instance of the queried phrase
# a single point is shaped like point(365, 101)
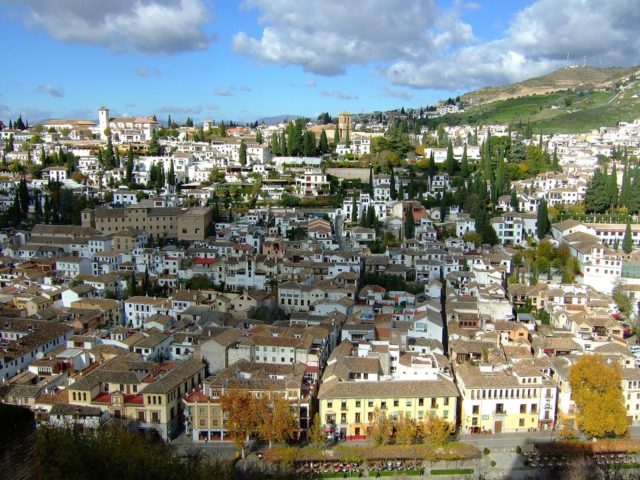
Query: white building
point(138, 309)
point(311, 182)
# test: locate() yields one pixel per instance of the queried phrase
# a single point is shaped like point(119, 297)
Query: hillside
point(575, 78)
point(569, 101)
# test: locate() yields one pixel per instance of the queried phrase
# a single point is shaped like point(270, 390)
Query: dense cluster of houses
point(151, 311)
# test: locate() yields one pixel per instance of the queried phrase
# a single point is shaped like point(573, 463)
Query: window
point(370, 403)
point(329, 404)
point(521, 422)
point(383, 405)
point(476, 409)
point(523, 408)
point(358, 403)
point(396, 403)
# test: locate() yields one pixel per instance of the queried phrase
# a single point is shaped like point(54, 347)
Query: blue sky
point(255, 58)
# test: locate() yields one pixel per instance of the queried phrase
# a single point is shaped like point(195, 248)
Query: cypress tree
point(596, 198)
point(160, 179)
point(17, 208)
point(634, 196)
point(409, 224)
point(450, 162)
point(47, 210)
point(499, 180)
point(444, 207)
point(354, 210)
point(484, 227)
point(133, 287)
point(371, 217)
point(392, 185)
point(37, 204)
point(464, 167)
point(23, 192)
point(612, 187)
point(347, 140)
point(336, 137)
point(515, 205)
point(324, 144)
point(625, 189)
point(555, 163)
point(146, 285)
point(275, 144)
point(543, 225)
point(627, 240)
point(308, 144)
point(108, 157)
point(129, 170)
point(154, 145)
point(259, 137)
point(242, 154)
point(171, 177)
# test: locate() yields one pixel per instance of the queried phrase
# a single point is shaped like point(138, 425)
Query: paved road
point(506, 440)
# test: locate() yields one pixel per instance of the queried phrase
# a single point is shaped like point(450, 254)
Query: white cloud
point(147, 72)
point(180, 110)
point(419, 44)
point(394, 92)
point(539, 39)
point(244, 88)
point(158, 27)
point(339, 94)
point(325, 36)
point(49, 89)
point(222, 92)
point(81, 112)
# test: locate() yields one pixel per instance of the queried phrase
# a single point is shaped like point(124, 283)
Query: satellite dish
point(39, 355)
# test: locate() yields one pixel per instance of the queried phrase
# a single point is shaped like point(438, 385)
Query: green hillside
point(576, 78)
point(571, 110)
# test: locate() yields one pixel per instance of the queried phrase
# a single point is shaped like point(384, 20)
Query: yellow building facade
point(347, 408)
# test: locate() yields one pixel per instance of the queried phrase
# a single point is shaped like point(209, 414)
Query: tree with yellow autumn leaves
point(270, 418)
point(596, 389)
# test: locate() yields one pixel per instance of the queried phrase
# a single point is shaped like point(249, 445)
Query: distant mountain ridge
point(279, 119)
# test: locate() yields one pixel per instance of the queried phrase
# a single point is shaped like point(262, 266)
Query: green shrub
point(486, 451)
point(453, 471)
